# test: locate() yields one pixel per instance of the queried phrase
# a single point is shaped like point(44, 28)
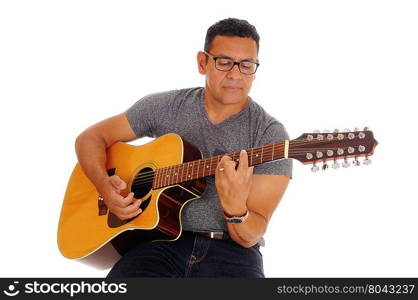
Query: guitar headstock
point(311, 148)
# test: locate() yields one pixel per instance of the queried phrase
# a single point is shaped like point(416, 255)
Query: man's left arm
point(240, 191)
point(265, 194)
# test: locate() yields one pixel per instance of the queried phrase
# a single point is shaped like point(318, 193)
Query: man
point(219, 118)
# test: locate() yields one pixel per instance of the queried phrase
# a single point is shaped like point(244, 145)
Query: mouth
point(232, 88)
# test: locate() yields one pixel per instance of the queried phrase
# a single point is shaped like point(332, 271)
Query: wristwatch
point(236, 219)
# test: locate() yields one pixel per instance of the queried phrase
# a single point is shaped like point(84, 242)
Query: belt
point(217, 235)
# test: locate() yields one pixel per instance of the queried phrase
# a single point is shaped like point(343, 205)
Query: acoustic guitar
point(166, 174)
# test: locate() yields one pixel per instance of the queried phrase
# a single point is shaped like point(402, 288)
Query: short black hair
point(231, 27)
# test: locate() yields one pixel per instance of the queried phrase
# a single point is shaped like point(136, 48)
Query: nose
point(234, 73)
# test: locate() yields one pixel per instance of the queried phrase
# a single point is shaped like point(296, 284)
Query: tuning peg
point(314, 168)
point(324, 166)
point(336, 130)
point(346, 130)
point(366, 128)
point(356, 129)
point(346, 163)
point(316, 131)
point(326, 131)
point(335, 165)
point(367, 161)
point(356, 161)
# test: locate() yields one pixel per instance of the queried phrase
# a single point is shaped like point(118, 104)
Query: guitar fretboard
point(205, 167)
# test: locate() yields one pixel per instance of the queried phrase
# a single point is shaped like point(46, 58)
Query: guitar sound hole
point(142, 183)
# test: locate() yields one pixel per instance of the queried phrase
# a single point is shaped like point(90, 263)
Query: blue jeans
point(192, 255)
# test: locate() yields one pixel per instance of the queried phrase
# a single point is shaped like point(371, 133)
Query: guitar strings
point(150, 175)
point(269, 149)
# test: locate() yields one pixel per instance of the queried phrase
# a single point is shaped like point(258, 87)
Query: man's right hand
point(123, 207)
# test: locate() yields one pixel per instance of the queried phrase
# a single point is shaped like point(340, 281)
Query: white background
point(65, 65)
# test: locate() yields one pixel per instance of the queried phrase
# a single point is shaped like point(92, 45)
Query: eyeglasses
point(225, 64)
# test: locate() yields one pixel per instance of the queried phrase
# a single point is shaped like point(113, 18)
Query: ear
point(201, 62)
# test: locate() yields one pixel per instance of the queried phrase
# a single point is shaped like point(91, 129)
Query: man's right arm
point(91, 147)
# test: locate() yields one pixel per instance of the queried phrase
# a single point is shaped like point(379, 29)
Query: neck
point(218, 110)
point(205, 167)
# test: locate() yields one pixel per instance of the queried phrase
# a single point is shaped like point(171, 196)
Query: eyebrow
point(226, 56)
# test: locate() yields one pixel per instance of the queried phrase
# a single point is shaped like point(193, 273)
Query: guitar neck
point(207, 166)
point(307, 148)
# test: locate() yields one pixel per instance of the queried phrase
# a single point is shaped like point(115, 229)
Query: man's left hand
point(233, 185)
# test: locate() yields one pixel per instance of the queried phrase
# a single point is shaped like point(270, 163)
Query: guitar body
point(86, 224)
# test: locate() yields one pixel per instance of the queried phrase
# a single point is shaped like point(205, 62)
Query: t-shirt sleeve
point(275, 132)
point(148, 115)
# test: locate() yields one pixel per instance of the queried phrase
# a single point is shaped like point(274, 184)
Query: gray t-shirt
point(183, 112)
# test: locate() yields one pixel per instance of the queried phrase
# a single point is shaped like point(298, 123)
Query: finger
point(133, 214)
point(229, 167)
point(243, 161)
point(250, 171)
point(117, 182)
point(121, 201)
point(129, 199)
point(222, 163)
point(132, 208)
point(224, 159)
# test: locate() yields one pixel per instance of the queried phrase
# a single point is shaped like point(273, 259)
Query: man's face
point(230, 87)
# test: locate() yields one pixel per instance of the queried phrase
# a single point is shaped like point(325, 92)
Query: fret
point(204, 167)
point(262, 149)
point(178, 174)
point(168, 175)
point(190, 175)
point(155, 181)
point(187, 171)
point(171, 175)
point(197, 169)
point(251, 157)
point(182, 172)
point(256, 156)
point(162, 176)
point(175, 174)
point(272, 152)
point(209, 165)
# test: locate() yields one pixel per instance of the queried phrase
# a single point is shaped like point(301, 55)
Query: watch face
point(234, 220)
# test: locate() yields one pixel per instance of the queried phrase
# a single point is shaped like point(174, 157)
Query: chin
point(233, 98)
